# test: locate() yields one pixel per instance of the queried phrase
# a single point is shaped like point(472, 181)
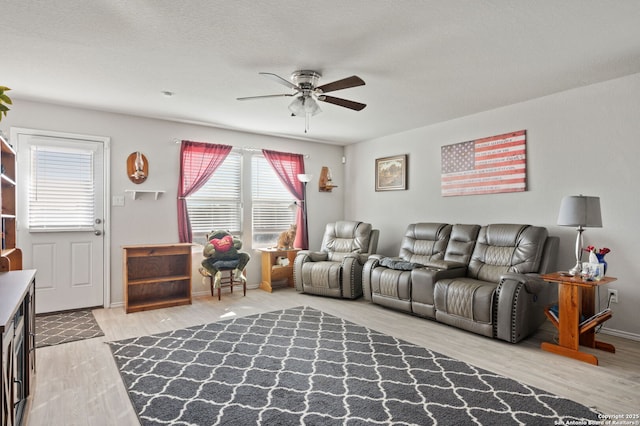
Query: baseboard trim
point(619, 333)
point(205, 292)
point(609, 331)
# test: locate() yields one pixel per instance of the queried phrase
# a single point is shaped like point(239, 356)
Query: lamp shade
point(580, 210)
point(305, 178)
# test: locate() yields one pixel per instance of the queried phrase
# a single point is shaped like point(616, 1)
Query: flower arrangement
point(602, 251)
point(599, 254)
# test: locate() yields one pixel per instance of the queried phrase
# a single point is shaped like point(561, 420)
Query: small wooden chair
point(226, 280)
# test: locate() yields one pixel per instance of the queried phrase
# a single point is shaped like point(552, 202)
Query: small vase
point(604, 262)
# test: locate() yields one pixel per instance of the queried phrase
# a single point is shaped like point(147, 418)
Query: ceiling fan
point(306, 93)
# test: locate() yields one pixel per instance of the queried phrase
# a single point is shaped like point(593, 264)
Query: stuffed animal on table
point(222, 251)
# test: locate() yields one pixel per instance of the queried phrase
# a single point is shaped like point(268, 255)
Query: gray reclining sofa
point(483, 279)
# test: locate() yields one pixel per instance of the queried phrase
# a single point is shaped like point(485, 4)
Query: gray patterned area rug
point(64, 327)
point(301, 366)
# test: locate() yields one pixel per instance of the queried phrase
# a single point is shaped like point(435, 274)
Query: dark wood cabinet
point(17, 339)
point(156, 276)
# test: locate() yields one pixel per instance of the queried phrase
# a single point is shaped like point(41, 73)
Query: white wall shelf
point(136, 193)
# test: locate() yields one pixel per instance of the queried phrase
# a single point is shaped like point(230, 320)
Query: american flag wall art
point(485, 166)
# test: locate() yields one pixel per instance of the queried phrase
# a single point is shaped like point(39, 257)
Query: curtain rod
point(252, 149)
point(243, 148)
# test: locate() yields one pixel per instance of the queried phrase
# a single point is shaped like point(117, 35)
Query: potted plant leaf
point(4, 101)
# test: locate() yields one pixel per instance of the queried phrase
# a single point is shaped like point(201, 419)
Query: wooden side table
point(577, 297)
point(271, 271)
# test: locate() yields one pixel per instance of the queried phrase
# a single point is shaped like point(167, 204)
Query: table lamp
point(582, 212)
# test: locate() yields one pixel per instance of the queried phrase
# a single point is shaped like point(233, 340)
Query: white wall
point(583, 141)
point(146, 221)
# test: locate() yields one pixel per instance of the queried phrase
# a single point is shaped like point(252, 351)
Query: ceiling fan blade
point(345, 83)
point(342, 102)
point(246, 98)
point(278, 79)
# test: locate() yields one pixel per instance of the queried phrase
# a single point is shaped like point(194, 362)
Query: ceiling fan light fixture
point(307, 93)
point(303, 106)
point(311, 106)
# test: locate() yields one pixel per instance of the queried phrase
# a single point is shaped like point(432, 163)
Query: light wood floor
point(78, 384)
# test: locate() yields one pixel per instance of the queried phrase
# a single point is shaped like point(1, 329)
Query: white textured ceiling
point(423, 61)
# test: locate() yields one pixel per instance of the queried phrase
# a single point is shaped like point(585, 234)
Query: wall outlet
point(612, 295)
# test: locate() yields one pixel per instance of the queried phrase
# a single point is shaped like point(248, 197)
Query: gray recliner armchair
point(336, 270)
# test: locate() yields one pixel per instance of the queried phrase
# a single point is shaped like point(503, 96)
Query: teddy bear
point(222, 251)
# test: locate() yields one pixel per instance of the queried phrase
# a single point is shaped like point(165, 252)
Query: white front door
point(61, 216)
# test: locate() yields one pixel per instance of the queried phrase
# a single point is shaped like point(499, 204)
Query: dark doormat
point(64, 327)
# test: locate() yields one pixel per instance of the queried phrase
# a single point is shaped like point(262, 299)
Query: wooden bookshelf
point(11, 256)
point(156, 276)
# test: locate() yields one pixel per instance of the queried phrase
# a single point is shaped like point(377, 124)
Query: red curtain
point(288, 166)
point(198, 161)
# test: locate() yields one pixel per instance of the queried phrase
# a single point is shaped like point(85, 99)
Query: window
point(272, 202)
point(61, 189)
point(218, 204)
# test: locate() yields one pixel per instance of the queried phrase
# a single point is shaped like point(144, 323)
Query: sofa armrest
point(372, 263)
point(520, 302)
point(445, 265)
point(360, 257)
point(532, 282)
point(427, 277)
point(352, 276)
point(301, 258)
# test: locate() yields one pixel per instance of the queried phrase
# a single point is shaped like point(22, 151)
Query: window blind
point(272, 210)
point(218, 204)
point(61, 192)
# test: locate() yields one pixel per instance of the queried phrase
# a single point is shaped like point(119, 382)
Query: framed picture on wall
point(391, 173)
point(485, 166)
